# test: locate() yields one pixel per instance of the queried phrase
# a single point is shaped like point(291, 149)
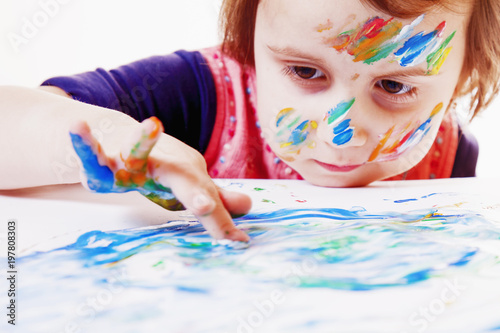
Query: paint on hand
point(404, 140)
point(129, 175)
point(293, 132)
point(100, 178)
point(377, 39)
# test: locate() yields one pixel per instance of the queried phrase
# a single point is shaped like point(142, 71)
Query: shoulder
point(466, 155)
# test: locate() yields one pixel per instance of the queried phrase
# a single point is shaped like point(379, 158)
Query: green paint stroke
point(339, 111)
point(268, 201)
point(437, 58)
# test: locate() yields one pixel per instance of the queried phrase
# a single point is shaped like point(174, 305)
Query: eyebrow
point(407, 72)
point(292, 52)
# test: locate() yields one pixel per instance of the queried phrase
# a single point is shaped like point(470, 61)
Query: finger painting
point(381, 254)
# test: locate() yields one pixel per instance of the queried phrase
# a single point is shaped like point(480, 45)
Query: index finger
point(204, 201)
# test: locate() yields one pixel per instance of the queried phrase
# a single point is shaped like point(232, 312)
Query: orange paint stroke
point(122, 177)
point(381, 144)
point(157, 129)
point(130, 179)
point(134, 164)
point(323, 27)
point(369, 47)
point(437, 109)
point(399, 143)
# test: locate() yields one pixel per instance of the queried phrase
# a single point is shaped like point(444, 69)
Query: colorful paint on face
point(377, 39)
point(436, 59)
point(338, 113)
point(341, 127)
point(426, 47)
point(370, 41)
point(403, 141)
point(343, 133)
point(323, 27)
point(293, 132)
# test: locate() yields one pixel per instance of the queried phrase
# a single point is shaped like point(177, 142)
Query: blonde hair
point(480, 75)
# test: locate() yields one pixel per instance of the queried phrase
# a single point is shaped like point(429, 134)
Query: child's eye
point(306, 73)
point(394, 94)
point(394, 87)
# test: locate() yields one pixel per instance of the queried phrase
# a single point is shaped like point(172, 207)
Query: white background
point(62, 37)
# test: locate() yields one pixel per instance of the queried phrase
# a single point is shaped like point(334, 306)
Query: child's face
point(348, 95)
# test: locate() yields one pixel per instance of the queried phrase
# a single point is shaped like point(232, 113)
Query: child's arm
point(35, 137)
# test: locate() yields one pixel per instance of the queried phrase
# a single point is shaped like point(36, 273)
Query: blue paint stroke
point(342, 126)
point(405, 200)
point(416, 199)
point(299, 134)
point(100, 178)
point(344, 137)
point(415, 46)
point(342, 133)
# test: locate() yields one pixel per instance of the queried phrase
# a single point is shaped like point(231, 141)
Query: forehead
point(364, 32)
point(338, 9)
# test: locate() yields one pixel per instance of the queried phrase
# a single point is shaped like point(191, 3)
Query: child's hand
point(176, 168)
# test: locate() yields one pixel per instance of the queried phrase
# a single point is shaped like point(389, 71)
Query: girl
point(337, 92)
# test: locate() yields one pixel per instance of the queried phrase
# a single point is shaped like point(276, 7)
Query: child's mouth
point(338, 168)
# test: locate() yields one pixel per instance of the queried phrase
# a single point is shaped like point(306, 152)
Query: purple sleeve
point(466, 156)
point(178, 89)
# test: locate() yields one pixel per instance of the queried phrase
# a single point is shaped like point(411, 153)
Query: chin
point(338, 180)
point(360, 177)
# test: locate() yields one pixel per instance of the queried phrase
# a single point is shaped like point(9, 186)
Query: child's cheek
point(292, 132)
point(398, 140)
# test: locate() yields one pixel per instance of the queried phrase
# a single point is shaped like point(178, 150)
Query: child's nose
point(338, 128)
point(345, 134)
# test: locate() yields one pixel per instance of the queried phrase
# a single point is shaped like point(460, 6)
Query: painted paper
point(382, 256)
